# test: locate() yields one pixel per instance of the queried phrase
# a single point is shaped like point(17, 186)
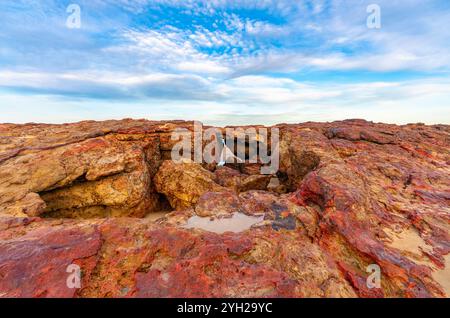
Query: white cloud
point(110, 85)
point(206, 67)
point(229, 68)
point(248, 96)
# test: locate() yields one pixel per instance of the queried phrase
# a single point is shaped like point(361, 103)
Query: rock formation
point(348, 195)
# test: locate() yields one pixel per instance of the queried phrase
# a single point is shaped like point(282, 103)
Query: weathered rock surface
point(347, 195)
point(184, 183)
point(241, 182)
point(106, 175)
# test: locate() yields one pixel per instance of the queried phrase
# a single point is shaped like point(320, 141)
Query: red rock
point(360, 194)
point(184, 183)
point(217, 203)
point(34, 264)
point(240, 182)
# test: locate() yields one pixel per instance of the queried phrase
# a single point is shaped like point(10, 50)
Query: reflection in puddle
point(238, 222)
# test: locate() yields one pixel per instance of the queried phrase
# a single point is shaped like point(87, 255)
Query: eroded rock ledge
point(348, 194)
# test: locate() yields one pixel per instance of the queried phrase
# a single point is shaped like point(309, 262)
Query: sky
point(225, 62)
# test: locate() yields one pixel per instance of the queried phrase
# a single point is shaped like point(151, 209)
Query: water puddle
point(238, 222)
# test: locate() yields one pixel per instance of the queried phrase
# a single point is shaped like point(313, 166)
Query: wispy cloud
point(249, 57)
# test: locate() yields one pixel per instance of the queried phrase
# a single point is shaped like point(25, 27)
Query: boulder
point(184, 183)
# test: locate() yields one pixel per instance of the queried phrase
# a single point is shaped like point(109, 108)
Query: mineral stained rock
point(349, 198)
point(184, 183)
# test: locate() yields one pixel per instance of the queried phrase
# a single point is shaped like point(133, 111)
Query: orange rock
point(361, 194)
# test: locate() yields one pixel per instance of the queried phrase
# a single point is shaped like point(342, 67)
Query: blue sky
point(225, 62)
